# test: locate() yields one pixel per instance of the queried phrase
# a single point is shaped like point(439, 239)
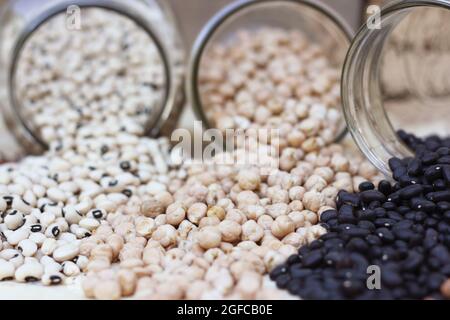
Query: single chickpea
point(209, 237)
point(166, 235)
point(282, 226)
point(252, 231)
point(175, 214)
point(196, 212)
point(230, 230)
point(249, 179)
point(208, 221)
point(216, 211)
point(152, 208)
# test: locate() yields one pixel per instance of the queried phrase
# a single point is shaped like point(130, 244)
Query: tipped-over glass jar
point(397, 77)
point(69, 69)
point(267, 63)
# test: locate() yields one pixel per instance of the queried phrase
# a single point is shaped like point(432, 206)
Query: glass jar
point(397, 77)
point(320, 25)
point(21, 19)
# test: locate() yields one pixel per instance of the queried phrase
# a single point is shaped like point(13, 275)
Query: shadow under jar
point(397, 77)
point(73, 69)
point(271, 64)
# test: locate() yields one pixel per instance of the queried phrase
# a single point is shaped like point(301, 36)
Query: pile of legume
point(106, 201)
point(103, 79)
point(216, 233)
point(88, 92)
point(273, 78)
point(403, 228)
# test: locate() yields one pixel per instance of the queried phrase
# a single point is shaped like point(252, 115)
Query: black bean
point(328, 215)
point(385, 235)
point(385, 187)
point(411, 191)
point(412, 262)
point(346, 214)
point(345, 197)
point(365, 186)
point(446, 173)
point(415, 167)
point(395, 163)
point(439, 196)
point(356, 232)
point(390, 278)
point(434, 172)
point(372, 195)
point(312, 259)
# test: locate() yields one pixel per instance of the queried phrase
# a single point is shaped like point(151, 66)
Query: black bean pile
point(401, 227)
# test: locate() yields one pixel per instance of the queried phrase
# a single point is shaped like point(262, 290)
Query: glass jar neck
point(362, 95)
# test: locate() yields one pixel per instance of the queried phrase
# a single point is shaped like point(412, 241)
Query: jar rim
point(54, 9)
point(221, 17)
point(354, 123)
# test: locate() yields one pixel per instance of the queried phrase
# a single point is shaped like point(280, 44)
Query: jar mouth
point(224, 15)
point(361, 89)
point(26, 135)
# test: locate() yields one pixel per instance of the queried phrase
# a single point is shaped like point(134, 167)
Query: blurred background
point(193, 14)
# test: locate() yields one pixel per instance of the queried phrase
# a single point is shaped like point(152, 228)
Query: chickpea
point(209, 237)
point(249, 179)
point(216, 211)
point(175, 214)
point(230, 230)
point(252, 231)
point(166, 235)
point(196, 212)
point(152, 208)
point(282, 226)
